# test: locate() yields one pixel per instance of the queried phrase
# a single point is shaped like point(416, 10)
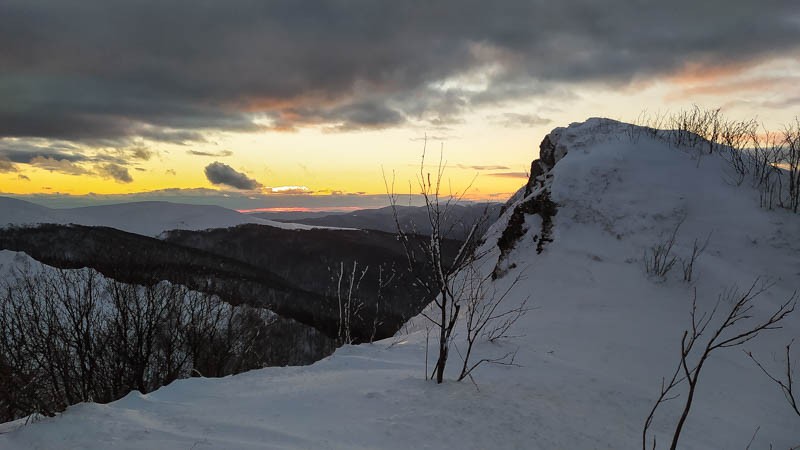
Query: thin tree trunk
point(442, 341)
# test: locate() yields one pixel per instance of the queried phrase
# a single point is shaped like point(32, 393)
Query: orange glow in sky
point(485, 148)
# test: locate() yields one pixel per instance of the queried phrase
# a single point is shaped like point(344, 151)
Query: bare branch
point(787, 386)
point(723, 335)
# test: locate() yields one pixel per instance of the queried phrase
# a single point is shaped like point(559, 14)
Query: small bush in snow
point(689, 262)
point(770, 159)
point(659, 259)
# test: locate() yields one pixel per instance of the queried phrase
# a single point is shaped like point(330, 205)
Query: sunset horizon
point(258, 102)
point(392, 225)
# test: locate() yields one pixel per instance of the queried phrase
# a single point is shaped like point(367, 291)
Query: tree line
point(70, 336)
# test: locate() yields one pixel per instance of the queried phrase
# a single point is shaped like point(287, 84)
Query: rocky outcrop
point(535, 201)
point(541, 166)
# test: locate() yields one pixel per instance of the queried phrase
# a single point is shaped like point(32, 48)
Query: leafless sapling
point(385, 278)
point(347, 296)
point(786, 383)
point(430, 256)
point(486, 316)
point(737, 327)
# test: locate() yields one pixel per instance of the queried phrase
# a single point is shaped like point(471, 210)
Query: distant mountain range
point(413, 219)
point(286, 267)
point(146, 218)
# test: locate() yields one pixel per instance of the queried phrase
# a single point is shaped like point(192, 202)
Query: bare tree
point(735, 137)
point(736, 328)
point(440, 272)
point(347, 296)
point(385, 278)
point(791, 138)
point(766, 152)
point(786, 385)
point(69, 336)
point(486, 316)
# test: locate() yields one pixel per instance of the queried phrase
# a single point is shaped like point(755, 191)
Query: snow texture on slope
point(591, 355)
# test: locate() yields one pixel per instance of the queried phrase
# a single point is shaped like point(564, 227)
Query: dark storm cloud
point(364, 115)
point(24, 153)
point(167, 70)
point(219, 173)
point(39, 100)
point(115, 172)
point(30, 151)
point(182, 137)
point(348, 117)
point(71, 160)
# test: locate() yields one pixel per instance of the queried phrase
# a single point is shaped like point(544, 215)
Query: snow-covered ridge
point(591, 355)
point(635, 187)
point(147, 218)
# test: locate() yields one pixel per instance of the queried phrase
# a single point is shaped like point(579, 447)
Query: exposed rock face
point(542, 165)
point(536, 201)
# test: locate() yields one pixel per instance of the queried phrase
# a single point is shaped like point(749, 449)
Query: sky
point(258, 104)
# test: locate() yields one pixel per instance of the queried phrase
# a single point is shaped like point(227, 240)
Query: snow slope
point(591, 355)
point(147, 218)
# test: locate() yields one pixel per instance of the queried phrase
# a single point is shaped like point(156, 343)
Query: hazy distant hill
point(146, 218)
point(413, 219)
point(294, 216)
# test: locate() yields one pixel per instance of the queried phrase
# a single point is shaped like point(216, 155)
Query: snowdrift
point(590, 356)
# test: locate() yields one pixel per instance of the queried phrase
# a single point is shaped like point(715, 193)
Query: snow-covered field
point(592, 353)
point(147, 218)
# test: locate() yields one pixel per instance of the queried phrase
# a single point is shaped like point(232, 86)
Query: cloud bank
point(182, 68)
